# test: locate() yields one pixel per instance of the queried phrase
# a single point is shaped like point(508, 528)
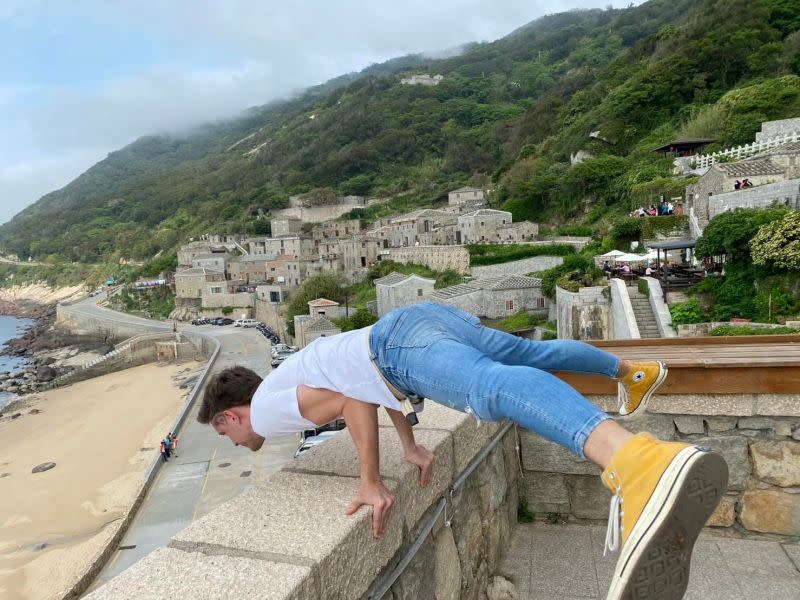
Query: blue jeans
point(439, 352)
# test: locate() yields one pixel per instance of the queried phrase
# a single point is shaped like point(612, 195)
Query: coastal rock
point(43, 467)
point(45, 373)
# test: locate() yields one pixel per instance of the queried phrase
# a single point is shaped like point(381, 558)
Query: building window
point(419, 291)
point(540, 302)
point(216, 290)
point(509, 305)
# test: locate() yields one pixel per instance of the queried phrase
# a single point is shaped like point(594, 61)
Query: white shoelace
point(614, 518)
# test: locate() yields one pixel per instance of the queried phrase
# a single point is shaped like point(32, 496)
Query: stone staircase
point(644, 314)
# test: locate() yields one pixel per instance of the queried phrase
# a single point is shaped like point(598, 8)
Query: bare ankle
point(604, 442)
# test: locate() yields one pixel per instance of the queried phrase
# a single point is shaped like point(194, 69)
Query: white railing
point(705, 161)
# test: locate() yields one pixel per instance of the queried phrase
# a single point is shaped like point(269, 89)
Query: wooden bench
point(708, 365)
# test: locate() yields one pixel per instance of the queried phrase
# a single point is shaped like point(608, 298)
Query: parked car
point(314, 440)
point(279, 357)
point(201, 321)
point(245, 323)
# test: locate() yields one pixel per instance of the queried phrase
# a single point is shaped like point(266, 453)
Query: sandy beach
point(102, 434)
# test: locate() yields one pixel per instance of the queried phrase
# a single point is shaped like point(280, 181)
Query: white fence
point(705, 161)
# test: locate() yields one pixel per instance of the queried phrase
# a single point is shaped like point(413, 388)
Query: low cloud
point(228, 55)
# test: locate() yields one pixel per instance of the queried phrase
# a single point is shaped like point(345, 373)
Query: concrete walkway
point(566, 562)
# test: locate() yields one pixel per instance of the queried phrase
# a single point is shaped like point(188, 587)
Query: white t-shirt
point(340, 363)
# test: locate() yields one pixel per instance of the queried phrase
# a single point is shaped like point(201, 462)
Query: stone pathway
point(566, 562)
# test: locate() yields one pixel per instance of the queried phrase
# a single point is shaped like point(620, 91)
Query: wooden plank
point(701, 380)
point(736, 340)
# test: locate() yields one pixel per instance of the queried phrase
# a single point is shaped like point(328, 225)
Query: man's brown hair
point(234, 386)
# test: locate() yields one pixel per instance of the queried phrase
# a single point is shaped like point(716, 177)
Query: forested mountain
point(508, 114)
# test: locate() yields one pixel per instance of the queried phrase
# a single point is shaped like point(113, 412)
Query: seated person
point(606, 268)
point(649, 270)
point(625, 269)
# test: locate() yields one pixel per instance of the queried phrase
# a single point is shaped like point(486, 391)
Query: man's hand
point(423, 458)
point(380, 499)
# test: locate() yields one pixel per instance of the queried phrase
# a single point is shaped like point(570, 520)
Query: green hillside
point(508, 115)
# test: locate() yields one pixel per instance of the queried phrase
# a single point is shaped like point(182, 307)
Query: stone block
point(448, 571)
point(724, 515)
point(418, 578)
point(777, 463)
point(539, 454)
point(771, 511)
point(783, 428)
point(490, 478)
point(720, 424)
point(688, 425)
point(170, 573)
point(497, 534)
point(588, 497)
point(761, 423)
point(796, 434)
point(339, 457)
point(778, 405)
point(741, 405)
point(734, 450)
point(469, 436)
point(546, 492)
point(661, 426)
point(265, 521)
point(609, 404)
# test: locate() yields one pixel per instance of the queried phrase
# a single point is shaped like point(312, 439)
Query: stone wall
point(660, 309)
point(438, 258)
point(315, 214)
point(771, 129)
point(758, 434)
point(264, 544)
point(786, 193)
point(703, 329)
point(517, 267)
point(583, 315)
point(623, 320)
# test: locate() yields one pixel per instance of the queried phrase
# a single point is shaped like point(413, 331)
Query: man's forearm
point(362, 423)
point(403, 428)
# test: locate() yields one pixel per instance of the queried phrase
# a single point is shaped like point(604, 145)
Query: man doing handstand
point(664, 492)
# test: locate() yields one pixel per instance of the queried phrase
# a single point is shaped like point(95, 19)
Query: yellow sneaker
point(634, 390)
point(664, 492)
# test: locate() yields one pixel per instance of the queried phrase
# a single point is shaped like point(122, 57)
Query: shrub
point(226, 310)
point(778, 243)
point(684, 313)
point(722, 330)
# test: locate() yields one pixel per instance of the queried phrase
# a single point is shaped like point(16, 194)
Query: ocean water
point(10, 328)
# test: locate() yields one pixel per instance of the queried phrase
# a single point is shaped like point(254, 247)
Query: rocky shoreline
point(49, 353)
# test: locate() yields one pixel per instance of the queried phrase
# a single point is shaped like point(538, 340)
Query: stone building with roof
point(190, 283)
point(215, 261)
point(481, 226)
point(523, 231)
point(466, 195)
point(417, 227)
point(317, 323)
point(285, 226)
point(775, 175)
point(250, 268)
point(496, 297)
point(397, 289)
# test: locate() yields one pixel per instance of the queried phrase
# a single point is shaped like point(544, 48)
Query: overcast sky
point(80, 78)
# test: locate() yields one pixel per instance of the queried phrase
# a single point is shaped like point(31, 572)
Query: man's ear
point(231, 416)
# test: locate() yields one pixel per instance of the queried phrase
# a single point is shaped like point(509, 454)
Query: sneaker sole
point(655, 561)
point(640, 410)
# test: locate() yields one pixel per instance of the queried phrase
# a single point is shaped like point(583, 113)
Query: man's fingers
point(377, 518)
point(354, 506)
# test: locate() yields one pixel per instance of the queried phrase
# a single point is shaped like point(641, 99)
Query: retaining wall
point(517, 267)
point(585, 314)
point(288, 537)
point(758, 434)
point(623, 319)
point(785, 193)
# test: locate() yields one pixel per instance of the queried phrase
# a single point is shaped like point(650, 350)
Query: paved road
point(209, 469)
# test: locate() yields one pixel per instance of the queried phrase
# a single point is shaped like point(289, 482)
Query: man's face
point(235, 423)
